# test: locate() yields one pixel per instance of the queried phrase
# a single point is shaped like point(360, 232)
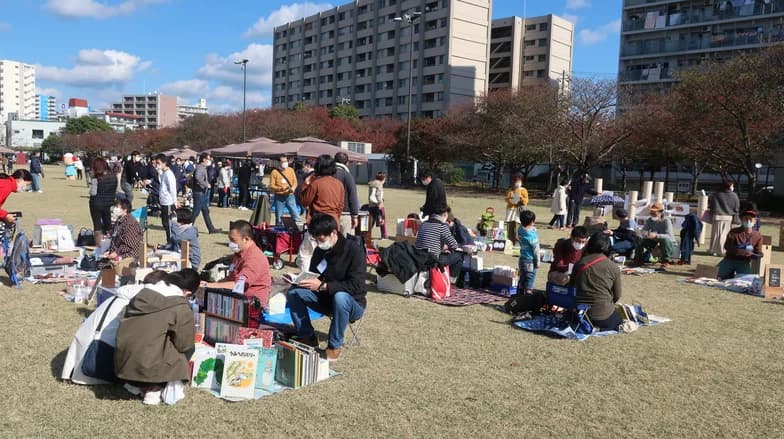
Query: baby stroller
point(153, 204)
point(15, 248)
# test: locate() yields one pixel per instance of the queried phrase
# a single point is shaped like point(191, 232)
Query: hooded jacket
point(154, 335)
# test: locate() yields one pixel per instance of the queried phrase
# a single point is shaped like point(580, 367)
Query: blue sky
point(100, 49)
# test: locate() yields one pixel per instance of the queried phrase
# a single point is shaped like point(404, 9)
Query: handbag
point(85, 238)
point(440, 286)
point(707, 217)
point(88, 263)
point(98, 361)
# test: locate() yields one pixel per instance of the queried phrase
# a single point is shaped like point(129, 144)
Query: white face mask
point(284, 165)
point(518, 185)
point(115, 212)
point(326, 245)
point(578, 245)
point(234, 247)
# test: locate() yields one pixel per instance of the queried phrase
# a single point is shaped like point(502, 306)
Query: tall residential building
point(186, 111)
point(156, 110)
point(45, 107)
point(17, 92)
point(359, 53)
point(526, 51)
point(660, 38)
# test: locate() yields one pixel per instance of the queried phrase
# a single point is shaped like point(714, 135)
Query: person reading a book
point(566, 253)
point(742, 246)
point(155, 335)
point(657, 232)
point(338, 291)
point(598, 282)
point(249, 272)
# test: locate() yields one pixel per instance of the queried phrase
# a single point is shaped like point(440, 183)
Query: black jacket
point(351, 199)
point(435, 199)
point(404, 260)
point(345, 271)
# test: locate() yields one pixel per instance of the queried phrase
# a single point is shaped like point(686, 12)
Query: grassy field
point(425, 370)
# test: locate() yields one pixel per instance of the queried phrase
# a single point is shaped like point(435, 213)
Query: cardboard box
point(773, 285)
point(509, 281)
point(758, 265)
point(390, 284)
point(709, 271)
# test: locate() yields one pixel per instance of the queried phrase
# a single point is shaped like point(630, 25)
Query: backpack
point(17, 261)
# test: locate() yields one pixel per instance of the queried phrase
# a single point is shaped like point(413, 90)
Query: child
point(558, 207)
point(184, 230)
point(529, 251)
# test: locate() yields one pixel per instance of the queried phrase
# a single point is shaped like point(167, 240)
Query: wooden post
point(702, 206)
point(647, 189)
point(143, 262)
point(633, 196)
point(658, 192)
point(598, 185)
point(185, 254)
point(669, 197)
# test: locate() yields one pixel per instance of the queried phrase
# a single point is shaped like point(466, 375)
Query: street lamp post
point(244, 64)
point(410, 19)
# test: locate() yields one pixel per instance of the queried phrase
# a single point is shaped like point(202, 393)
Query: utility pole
point(409, 18)
point(244, 65)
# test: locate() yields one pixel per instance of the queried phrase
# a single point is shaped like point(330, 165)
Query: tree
point(53, 145)
point(344, 111)
point(431, 143)
point(86, 124)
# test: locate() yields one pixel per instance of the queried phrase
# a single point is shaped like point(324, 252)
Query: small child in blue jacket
point(529, 251)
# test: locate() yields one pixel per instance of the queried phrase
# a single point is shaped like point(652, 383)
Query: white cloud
point(221, 99)
point(576, 4)
point(187, 88)
point(571, 17)
point(95, 68)
point(589, 37)
point(264, 26)
point(51, 91)
point(94, 8)
point(223, 69)
point(5, 27)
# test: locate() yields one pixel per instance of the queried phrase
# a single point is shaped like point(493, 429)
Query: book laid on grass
point(295, 279)
point(286, 367)
point(239, 372)
point(207, 369)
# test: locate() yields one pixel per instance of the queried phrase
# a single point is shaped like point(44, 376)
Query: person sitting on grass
point(339, 290)
point(566, 252)
point(435, 237)
point(657, 232)
point(185, 230)
point(529, 251)
point(19, 181)
point(155, 335)
point(598, 283)
point(461, 233)
point(127, 235)
point(743, 245)
point(624, 238)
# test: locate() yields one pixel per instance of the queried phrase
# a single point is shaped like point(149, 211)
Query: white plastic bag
point(173, 392)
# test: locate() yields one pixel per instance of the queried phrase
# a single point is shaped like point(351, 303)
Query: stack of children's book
point(256, 368)
point(634, 312)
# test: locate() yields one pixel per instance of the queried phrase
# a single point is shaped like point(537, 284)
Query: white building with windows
point(30, 133)
point(186, 111)
point(17, 91)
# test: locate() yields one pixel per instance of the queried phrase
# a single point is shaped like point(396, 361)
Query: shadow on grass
point(56, 365)
point(113, 392)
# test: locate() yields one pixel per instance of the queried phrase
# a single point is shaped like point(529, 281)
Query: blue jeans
point(527, 275)
point(342, 307)
point(287, 201)
point(36, 182)
point(201, 204)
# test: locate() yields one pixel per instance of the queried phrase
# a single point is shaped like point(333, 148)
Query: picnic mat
point(548, 325)
point(261, 393)
point(466, 296)
point(750, 284)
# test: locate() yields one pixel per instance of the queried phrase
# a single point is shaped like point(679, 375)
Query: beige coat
point(559, 201)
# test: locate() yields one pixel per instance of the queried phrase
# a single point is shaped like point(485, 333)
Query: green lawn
point(425, 370)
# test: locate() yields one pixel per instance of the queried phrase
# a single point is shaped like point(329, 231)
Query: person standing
point(516, 200)
point(130, 175)
point(212, 177)
point(201, 189)
point(79, 165)
point(378, 216)
point(283, 183)
point(558, 208)
point(167, 195)
point(349, 218)
point(529, 252)
point(243, 184)
point(435, 199)
point(37, 171)
point(724, 207)
point(103, 187)
point(224, 185)
point(578, 189)
point(322, 192)
point(302, 173)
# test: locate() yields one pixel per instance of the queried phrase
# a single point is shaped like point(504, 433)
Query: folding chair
point(356, 327)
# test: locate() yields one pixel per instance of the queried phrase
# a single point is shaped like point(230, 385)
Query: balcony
point(648, 75)
point(717, 42)
point(651, 21)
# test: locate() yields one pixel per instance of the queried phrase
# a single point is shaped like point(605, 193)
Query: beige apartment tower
point(359, 53)
point(528, 51)
point(154, 110)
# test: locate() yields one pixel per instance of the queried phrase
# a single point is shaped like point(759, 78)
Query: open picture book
point(296, 278)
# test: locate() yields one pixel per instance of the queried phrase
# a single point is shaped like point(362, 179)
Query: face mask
point(21, 188)
point(284, 165)
point(234, 247)
point(578, 245)
point(115, 212)
point(748, 225)
point(518, 185)
point(326, 245)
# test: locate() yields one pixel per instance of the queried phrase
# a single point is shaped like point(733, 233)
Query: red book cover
point(246, 333)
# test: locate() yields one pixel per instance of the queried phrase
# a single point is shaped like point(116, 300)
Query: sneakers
point(665, 265)
point(133, 390)
point(243, 208)
point(152, 398)
point(40, 191)
point(334, 354)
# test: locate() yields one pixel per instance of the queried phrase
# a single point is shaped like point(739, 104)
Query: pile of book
point(634, 312)
point(299, 365)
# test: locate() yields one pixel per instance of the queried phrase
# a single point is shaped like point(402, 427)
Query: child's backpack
point(17, 260)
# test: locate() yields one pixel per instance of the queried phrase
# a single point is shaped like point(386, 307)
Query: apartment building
point(362, 53)
point(527, 51)
point(155, 110)
point(45, 107)
point(661, 38)
point(17, 92)
point(186, 111)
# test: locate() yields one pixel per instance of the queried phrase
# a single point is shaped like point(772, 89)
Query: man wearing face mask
point(743, 245)
point(248, 265)
point(167, 194)
point(130, 174)
point(127, 242)
point(283, 183)
point(201, 189)
point(567, 252)
point(657, 232)
point(340, 289)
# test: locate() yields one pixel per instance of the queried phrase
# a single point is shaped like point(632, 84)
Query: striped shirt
point(433, 236)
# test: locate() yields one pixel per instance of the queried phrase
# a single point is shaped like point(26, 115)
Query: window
point(530, 27)
point(38, 134)
point(391, 35)
point(530, 43)
point(542, 58)
point(529, 73)
point(544, 26)
point(529, 57)
point(543, 42)
point(540, 73)
point(342, 16)
point(443, 22)
point(356, 147)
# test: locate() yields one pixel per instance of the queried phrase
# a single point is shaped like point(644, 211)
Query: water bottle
point(195, 309)
point(239, 286)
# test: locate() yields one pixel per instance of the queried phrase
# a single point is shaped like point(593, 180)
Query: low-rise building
point(155, 110)
point(30, 133)
point(186, 111)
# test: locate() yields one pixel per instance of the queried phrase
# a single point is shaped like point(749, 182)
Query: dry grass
point(429, 370)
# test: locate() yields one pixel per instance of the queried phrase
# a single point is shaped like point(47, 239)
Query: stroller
point(153, 204)
point(15, 248)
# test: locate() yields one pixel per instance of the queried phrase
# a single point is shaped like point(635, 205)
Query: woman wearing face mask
point(249, 271)
point(567, 252)
point(516, 199)
point(724, 207)
point(127, 235)
point(103, 187)
point(283, 183)
point(742, 246)
point(19, 181)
